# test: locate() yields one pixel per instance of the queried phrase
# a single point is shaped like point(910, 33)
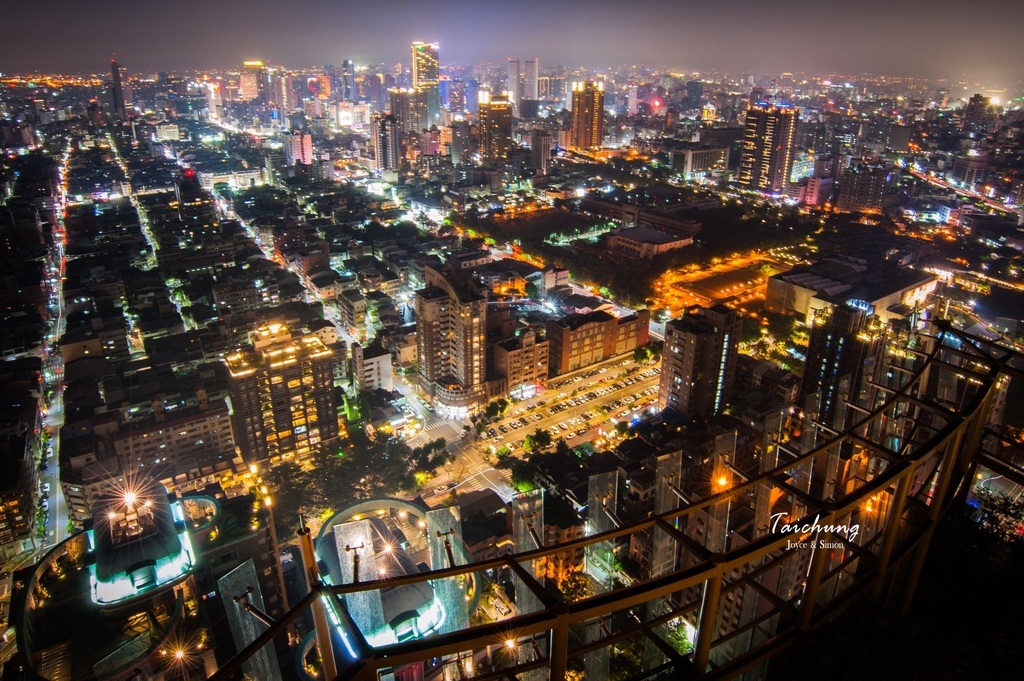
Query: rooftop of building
point(170, 420)
point(133, 528)
point(848, 278)
point(646, 235)
point(273, 345)
point(575, 321)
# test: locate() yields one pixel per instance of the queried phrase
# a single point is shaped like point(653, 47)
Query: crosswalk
point(450, 437)
point(479, 482)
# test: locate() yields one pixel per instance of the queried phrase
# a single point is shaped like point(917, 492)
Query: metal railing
point(905, 450)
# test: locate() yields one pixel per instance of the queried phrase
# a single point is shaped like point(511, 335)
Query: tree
point(678, 637)
point(374, 467)
point(522, 475)
point(431, 456)
point(576, 586)
point(529, 444)
point(538, 439)
point(622, 427)
point(496, 408)
point(562, 447)
point(291, 492)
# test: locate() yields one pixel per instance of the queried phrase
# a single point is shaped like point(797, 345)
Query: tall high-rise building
point(451, 338)
point(977, 115)
point(456, 96)
point(461, 142)
point(699, 362)
point(529, 89)
point(766, 159)
point(472, 97)
point(541, 142)
point(587, 115)
point(385, 133)
point(846, 346)
point(252, 83)
point(347, 77)
point(279, 91)
point(117, 88)
point(495, 127)
point(862, 188)
point(515, 80)
point(298, 148)
point(522, 82)
point(694, 91)
point(408, 106)
point(426, 79)
point(195, 207)
point(282, 395)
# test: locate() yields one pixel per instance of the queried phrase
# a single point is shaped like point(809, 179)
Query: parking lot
point(582, 408)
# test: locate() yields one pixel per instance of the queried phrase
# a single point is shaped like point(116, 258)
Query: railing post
point(321, 624)
point(892, 531)
point(949, 460)
point(810, 596)
point(708, 618)
point(559, 652)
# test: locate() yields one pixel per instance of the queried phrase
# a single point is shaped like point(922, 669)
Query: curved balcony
point(832, 515)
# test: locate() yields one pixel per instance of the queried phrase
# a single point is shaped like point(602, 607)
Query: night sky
point(980, 40)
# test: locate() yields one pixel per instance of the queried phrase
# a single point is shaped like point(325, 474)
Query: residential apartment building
point(282, 394)
point(698, 366)
point(579, 340)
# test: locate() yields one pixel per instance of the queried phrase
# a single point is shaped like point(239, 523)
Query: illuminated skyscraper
point(252, 84)
point(348, 75)
point(699, 362)
point(522, 81)
point(279, 94)
point(587, 115)
point(282, 395)
point(862, 188)
point(451, 336)
point(116, 74)
point(541, 142)
point(529, 90)
point(514, 81)
point(461, 141)
point(384, 132)
point(426, 79)
point(408, 106)
point(977, 116)
point(298, 149)
point(495, 127)
point(846, 347)
point(766, 159)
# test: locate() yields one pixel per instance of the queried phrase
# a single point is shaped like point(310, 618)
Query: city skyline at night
point(422, 341)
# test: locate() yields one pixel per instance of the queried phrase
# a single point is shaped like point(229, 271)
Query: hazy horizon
point(979, 42)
